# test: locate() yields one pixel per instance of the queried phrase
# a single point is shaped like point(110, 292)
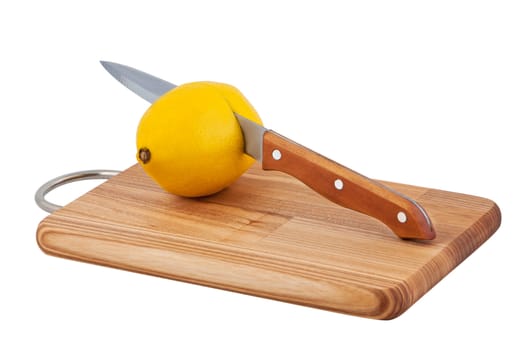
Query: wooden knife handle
point(402, 215)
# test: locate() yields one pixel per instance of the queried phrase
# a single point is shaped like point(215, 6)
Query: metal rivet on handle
point(277, 154)
point(339, 185)
point(401, 216)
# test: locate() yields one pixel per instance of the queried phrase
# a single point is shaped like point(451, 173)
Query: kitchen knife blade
point(403, 215)
point(143, 84)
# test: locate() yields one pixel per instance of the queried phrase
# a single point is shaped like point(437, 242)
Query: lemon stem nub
point(144, 155)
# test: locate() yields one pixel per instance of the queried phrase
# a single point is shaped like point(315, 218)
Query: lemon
point(189, 140)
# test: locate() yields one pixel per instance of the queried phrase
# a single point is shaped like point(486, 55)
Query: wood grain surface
point(269, 235)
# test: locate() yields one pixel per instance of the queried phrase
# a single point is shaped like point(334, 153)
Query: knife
point(403, 215)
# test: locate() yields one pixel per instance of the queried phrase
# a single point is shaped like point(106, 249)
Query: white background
point(431, 94)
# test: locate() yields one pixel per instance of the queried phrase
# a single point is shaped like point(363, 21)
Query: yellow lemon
point(189, 140)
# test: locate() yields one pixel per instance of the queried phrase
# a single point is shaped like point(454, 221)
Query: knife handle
point(405, 217)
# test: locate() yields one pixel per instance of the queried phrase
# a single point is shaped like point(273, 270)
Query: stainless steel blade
point(151, 88)
point(143, 84)
point(253, 137)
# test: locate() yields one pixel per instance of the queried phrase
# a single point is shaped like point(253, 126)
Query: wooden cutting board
point(271, 236)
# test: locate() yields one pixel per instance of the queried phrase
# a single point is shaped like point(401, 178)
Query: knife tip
point(111, 67)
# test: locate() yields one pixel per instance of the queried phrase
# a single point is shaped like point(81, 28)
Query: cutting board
point(271, 236)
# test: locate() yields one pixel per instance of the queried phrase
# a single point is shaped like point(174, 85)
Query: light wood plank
point(271, 236)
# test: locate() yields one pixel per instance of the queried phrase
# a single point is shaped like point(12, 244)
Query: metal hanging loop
point(40, 195)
